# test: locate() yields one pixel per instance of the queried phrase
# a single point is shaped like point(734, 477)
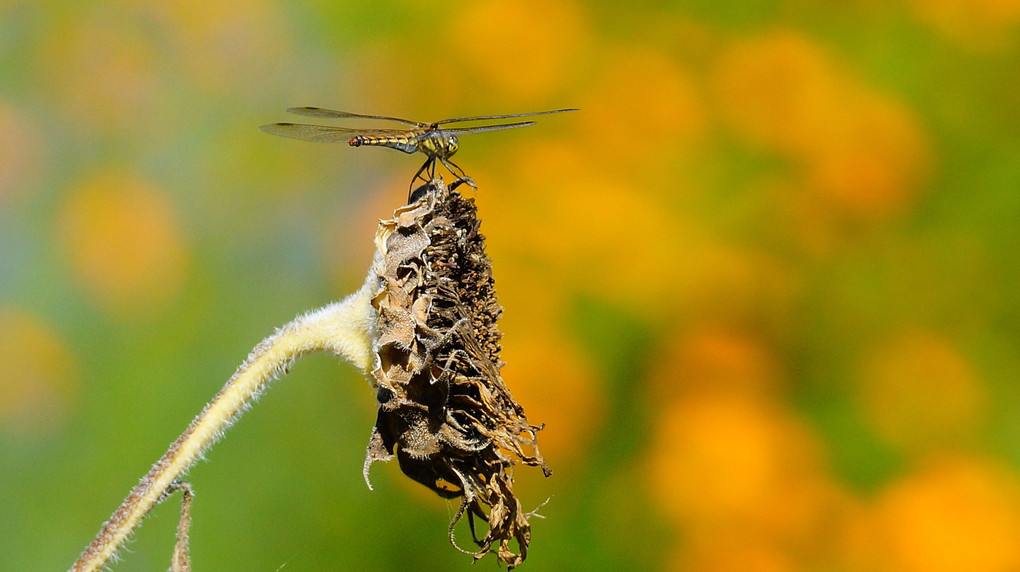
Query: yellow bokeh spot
point(122, 238)
point(953, 515)
point(525, 48)
point(980, 25)
point(919, 392)
point(39, 375)
point(864, 153)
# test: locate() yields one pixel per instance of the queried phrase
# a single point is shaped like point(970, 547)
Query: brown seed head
point(444, 410)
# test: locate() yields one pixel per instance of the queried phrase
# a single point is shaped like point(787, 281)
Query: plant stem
point(346, 328)
point(181, 562)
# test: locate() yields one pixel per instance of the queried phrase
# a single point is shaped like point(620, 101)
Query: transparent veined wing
point(489, 117)
point(325, 133)
point(331, 114)
point(484, 128)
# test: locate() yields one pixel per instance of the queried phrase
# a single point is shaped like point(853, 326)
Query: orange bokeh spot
point(918, 391)
point(745, 484)
point(552, 379)
point(862, 152)
point(621, 243)
point(39, 379)
point(122, 238)
point(586, 231)
point(667, 111)
point(814, 526)
point(778, 91)
point(877, 161)
point(522, 47)
point(954, 515)
point(715, 361)
point(727, 461)
point(721, 556)
point(980, 25)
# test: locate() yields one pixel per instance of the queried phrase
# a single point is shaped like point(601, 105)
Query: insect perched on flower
point(438, 143)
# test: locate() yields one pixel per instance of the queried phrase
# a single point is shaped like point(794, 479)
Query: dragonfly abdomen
point(404, 144)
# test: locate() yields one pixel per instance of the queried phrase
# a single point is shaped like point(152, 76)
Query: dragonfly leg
point(453, 168)
point(462, 180)
point(429, 168)
point(460, 174)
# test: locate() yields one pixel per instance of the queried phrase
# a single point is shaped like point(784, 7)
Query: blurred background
point(763, 289)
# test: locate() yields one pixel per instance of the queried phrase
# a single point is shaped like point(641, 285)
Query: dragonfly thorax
point(439, 144)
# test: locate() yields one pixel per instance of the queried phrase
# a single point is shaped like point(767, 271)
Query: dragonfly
point(435, 140)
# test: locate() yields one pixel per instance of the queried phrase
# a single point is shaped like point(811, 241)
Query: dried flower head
point(424, 325)
point(444, 410)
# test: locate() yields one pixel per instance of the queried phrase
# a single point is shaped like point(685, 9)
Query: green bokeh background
point(169, 97)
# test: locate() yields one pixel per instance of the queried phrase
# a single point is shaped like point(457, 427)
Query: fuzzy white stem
point(346, 328)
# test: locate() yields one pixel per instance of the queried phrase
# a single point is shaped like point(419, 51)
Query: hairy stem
point(181, 562)
point(346, 328)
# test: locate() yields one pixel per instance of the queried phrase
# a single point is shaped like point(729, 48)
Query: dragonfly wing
point(484, 128)
point(488, 117)
point(323, 133)
point(320, 112)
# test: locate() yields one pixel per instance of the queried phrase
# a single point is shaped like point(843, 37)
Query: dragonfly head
point(452, 144)
point(440, 145)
